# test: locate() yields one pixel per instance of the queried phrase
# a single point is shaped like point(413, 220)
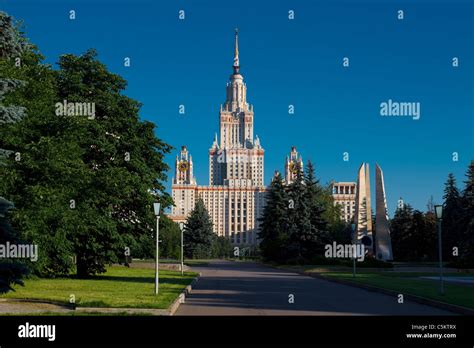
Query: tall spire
point(236, 52)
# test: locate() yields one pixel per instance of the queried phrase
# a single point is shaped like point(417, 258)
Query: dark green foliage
point(317, 201)
point(273, 233)
point(75, 190)
point(301, 236)
point(170, 245)
point(12, 48)
point(400, 232)
point(170, 236)
point(465, 224)
point(467, 246)
point(452, 215)
point(12, 42)
point(221, 247)
point(299, 220)
point(423, 237)
point(414, 236)
point(198, 233)
point(11, 271)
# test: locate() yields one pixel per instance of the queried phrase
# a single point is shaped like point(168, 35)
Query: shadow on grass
point(172, 280)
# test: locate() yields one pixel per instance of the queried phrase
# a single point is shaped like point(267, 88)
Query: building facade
point(344, 194)
point(235, 196)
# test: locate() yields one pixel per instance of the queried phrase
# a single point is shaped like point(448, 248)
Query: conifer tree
point(301, 236)
point(400, 229)
point(318, 234)
point(12, 48)
point(452, 214)
point(273, 231)
point(198, 233)
point(466, 247)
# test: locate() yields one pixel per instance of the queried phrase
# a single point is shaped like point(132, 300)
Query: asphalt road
point(241, 288)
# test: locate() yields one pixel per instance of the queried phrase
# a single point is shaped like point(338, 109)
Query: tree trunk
point(81, 267)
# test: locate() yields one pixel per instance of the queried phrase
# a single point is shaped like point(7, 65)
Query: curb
point(116, 310)
point(182, 297)
point(414, 298)
point(56, 303)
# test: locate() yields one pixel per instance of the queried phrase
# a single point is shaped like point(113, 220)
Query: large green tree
point(452, 215)
point(221, 247)
point(301, 236)
point(466, 246)
point(400, 231)
point(299, 219)
point(422, 237)
point(198, 233)
point(318, 234)
point(273, 234)
point(12, 47)
point(124, 161)
point(25, 85)
point(170, 242)
point(170, 236)
point(338, 229)
point(85, 185)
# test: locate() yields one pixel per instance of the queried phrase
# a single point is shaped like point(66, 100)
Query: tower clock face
point(183, 166)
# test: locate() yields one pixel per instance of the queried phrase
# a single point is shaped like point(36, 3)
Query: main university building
point(235, 197)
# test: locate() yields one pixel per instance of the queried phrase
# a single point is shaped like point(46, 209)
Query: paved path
point(22, 307)
point(241, 288)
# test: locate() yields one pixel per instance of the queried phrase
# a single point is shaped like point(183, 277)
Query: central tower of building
point(236, 194)
point(238, 155)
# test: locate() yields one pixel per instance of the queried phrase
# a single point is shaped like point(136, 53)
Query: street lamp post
point(181, 226)
point(156, 207)
point(439, 218)
point(353, 226)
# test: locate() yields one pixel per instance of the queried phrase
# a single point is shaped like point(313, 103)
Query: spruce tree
point(468, 192)
point(12, 48)
point(421, 243)
point(466, 246)
point(12, 43)
point(429, 245)
point(273, 229)
point(452, 214)
point(301, 236)
point(198, 232)
point(318, 235)
point(400, 230)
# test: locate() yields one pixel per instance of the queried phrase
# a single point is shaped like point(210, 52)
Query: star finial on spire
point(236, 52)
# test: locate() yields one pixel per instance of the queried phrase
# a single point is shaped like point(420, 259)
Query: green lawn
point(120, 286)
point(410, 283)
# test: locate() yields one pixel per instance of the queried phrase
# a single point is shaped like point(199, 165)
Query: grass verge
point(411, 283)
point(119, 287)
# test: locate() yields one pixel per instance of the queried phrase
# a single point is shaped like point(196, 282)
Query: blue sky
point(296, 62)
